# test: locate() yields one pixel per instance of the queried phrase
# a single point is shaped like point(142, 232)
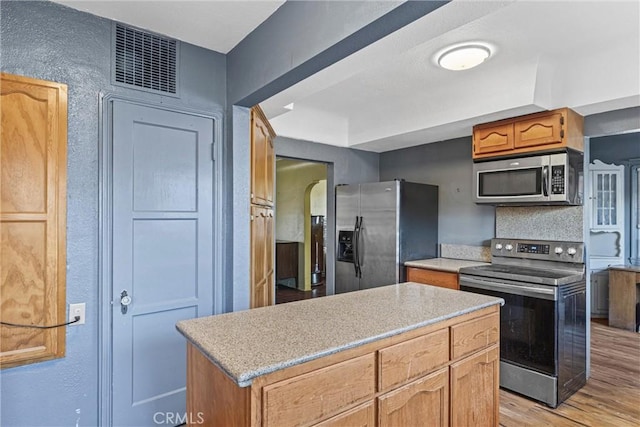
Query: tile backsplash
point(471, 253)
point(540, 223)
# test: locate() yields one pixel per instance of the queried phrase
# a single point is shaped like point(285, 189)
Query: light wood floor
point(610, 398)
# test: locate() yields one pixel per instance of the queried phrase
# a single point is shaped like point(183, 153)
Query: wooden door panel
point(471, 380)
point(424, 400)
point(543, 130)
point(33, 162)
point(493, 138)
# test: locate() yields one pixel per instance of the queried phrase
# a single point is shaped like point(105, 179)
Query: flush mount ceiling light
point(463, 57)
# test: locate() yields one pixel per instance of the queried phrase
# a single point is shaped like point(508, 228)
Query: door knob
point(125, 300)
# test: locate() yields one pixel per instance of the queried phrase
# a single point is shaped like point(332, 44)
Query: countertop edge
point(246, 379)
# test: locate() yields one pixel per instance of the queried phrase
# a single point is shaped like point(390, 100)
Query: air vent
point(144, 60)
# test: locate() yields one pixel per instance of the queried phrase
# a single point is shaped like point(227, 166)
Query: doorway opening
point(301, 229)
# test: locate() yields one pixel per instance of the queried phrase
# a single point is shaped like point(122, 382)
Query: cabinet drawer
point(361, 416)
point(474, 334)
point(311, 397)
point(443, 279)
point(403, 362)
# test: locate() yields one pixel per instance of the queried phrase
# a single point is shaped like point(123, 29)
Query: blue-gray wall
point(619, 149)
point(52, 42)
point(448, 165)
point(344, 166)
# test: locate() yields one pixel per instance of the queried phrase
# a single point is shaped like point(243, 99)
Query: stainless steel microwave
point(545, 179)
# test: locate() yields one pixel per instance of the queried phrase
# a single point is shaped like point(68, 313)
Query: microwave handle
point(545, 181)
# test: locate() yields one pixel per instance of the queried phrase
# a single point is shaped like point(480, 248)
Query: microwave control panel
point(557, 179)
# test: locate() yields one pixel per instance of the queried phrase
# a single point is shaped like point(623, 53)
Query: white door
point(162, 256)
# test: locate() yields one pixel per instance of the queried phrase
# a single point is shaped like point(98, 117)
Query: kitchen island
point(405, 354)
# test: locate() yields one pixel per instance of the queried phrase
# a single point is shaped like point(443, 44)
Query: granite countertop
point(443, 264)
point(250, 343)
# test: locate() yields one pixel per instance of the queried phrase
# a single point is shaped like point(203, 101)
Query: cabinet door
point(33, 165)
point(540, 130)
point(262, 293)
point(492, 138)
point(262, 160)
point(474, 389)
point(424, 400)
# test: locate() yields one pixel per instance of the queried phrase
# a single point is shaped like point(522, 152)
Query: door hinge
point(561, 133)
point(213, 151)
point(561, 120)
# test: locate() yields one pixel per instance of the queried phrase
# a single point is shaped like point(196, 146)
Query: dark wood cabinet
point(287, 263)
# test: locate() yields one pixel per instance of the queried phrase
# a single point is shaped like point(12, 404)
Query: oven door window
point(527, 331)
point(510, 182)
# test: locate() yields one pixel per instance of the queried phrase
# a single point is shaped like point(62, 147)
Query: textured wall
point(448, 165)
point(291, 184)
point(48, 41)
point(345, 166)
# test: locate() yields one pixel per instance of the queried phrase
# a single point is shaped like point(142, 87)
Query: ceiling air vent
point(145, 60)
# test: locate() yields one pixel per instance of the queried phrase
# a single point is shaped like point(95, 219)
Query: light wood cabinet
point(262, 159)
point(33, 165)
point(475, 389)
point(413, 378)
point(545, 131)
point(262, 260)
point(444, 279)
point(425, 400)
point(262, 291)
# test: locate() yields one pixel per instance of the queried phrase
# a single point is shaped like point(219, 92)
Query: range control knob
point(508, 247)
point(499, 246)
point(558, 250)
point(571, 251)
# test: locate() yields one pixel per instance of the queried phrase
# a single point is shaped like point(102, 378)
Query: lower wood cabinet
point(475, 385)
point(444, 279)
point(424, 401)
point(411, 379)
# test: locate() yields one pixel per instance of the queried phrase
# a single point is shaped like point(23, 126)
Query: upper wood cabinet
point(262, 159)
point(33, 172)
point(545, 131)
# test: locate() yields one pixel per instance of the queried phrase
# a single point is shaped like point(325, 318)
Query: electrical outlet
point(77, 310)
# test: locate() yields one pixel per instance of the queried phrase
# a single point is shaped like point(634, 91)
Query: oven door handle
point(529, 291)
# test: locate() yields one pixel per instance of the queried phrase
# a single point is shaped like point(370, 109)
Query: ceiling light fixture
point(289, 106)
point(463, 57)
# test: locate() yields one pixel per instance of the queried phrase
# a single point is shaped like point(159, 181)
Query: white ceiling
point(390, 95)
point(215, 24)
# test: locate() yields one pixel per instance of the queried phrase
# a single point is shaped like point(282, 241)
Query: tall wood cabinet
point(33, 172)
point(262, 226)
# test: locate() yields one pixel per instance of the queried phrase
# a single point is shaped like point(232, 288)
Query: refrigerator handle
point(357, 238)
point(356, 266)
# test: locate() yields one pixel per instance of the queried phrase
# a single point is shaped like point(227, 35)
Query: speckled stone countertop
point(250, 343)
point(443, 264)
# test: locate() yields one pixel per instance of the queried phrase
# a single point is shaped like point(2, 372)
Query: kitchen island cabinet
point(393, 355)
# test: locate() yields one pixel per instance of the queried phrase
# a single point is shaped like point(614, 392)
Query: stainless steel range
point(543, 322)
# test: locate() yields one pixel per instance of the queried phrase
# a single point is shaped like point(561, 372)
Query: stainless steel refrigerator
point(380, 226)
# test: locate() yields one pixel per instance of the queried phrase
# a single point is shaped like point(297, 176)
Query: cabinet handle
point(262, 214)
